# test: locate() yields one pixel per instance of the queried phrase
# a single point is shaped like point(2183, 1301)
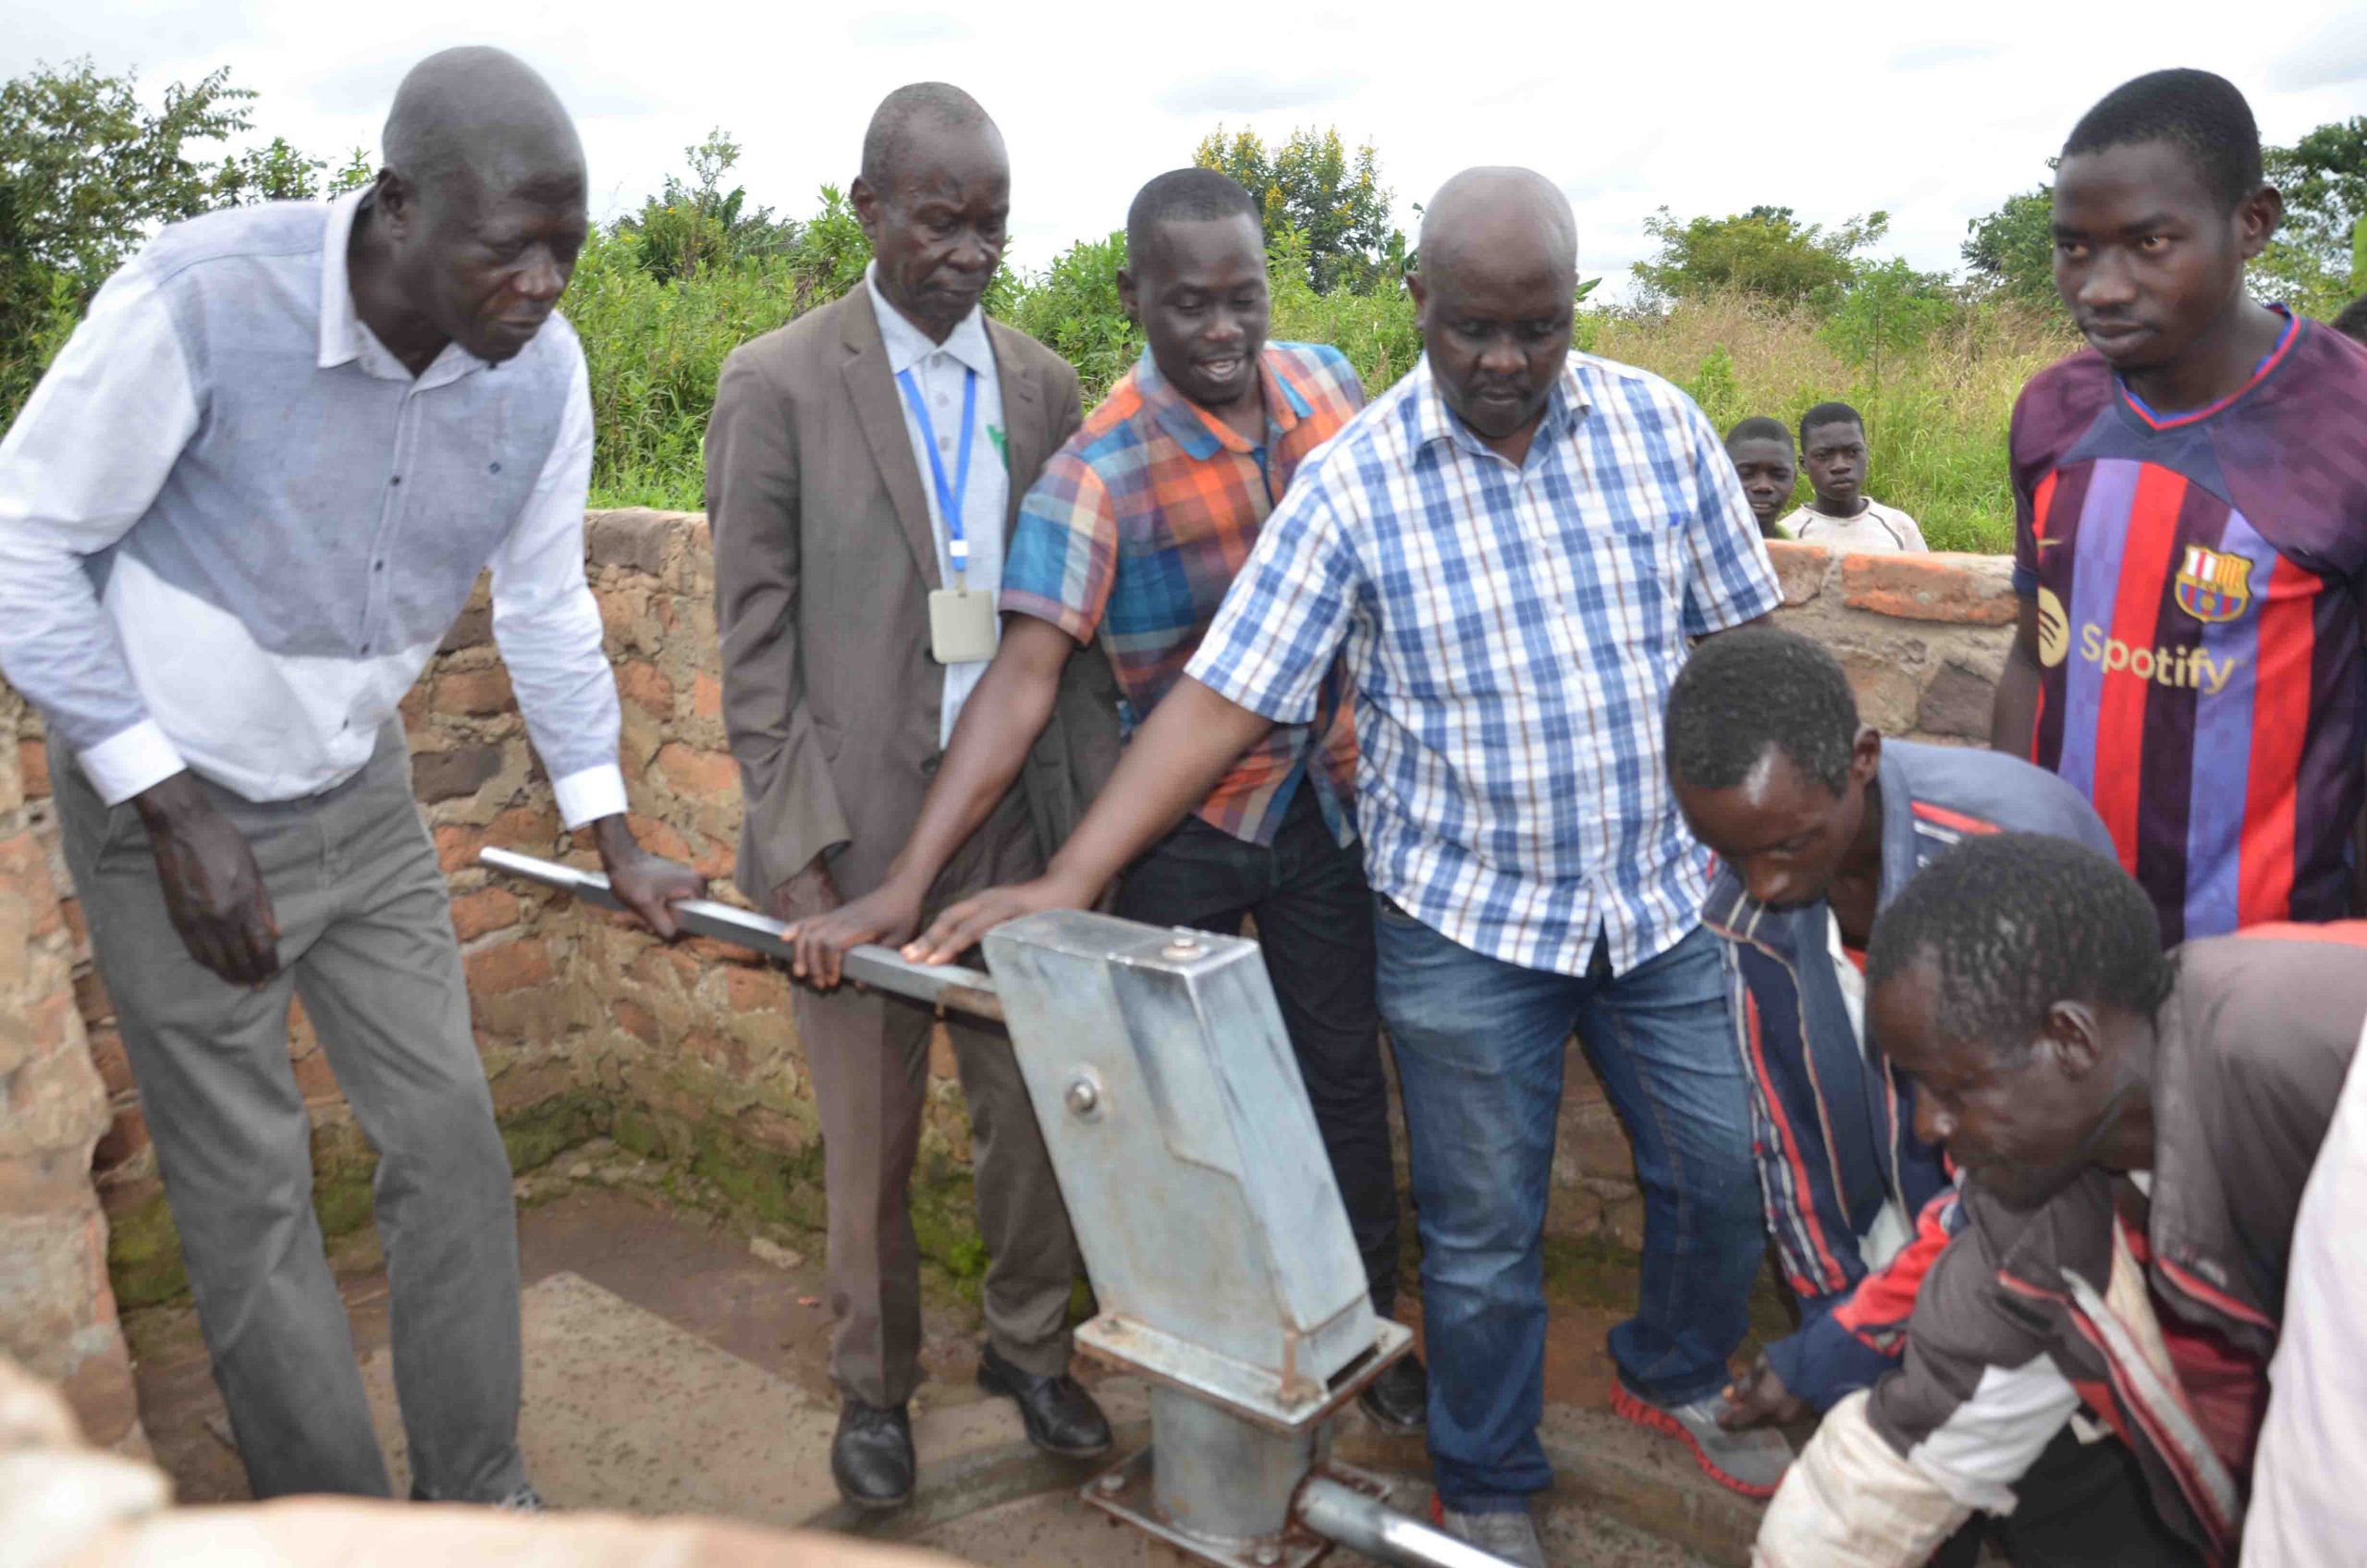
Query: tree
point(2010, 253)
point(687, 226)
point(2323, 178)
point(1766, 251)
point(1311, 186)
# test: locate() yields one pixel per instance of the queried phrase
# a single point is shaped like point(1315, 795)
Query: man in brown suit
point(857, 550)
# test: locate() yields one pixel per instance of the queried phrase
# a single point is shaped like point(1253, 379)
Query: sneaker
point(1510, 1536)
point(1749, 1463)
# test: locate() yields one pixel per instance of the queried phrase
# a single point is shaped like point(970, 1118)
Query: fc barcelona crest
point(2213, 586)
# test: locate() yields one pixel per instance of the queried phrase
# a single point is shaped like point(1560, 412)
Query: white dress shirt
point(940, 371)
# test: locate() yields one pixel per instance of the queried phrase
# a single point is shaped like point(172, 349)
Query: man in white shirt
point(1840, 515)
point(236, 518)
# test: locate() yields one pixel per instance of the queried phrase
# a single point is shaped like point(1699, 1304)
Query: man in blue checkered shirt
point(1511, 551)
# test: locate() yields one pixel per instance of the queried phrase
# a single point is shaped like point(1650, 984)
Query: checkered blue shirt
point(1511, 635)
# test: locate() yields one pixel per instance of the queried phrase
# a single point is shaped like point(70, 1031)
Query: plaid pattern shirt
point(1135, 531)
point(1510, 634)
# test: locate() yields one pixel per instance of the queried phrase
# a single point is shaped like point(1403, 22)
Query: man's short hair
point(891, 125)
point(2351, 321)
point(1193, 195)
point(1817, 418)
point(1756, 689)
point(2015, 922)
point(1759, 427)
point(2199, 113)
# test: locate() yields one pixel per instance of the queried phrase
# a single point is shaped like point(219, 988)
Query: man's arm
point(1006, 712)
point(548, 628)
point(793, 814)
point(2013, 718)
point(1261, 662)
point(80, 466)
point(1173, 761)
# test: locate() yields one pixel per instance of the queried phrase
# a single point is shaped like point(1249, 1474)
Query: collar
point(1201, 433)
point(345, 336)
point(1433, 421)
point(907, 345)
point(2269, 362)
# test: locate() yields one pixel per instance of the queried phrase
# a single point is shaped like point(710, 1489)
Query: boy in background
point(1760, 449)
point(1840, 515)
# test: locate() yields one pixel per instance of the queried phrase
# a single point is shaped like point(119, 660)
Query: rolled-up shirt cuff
point(590, 794)
point(132, 761)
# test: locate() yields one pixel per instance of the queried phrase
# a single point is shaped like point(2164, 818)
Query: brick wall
point(687, 1053)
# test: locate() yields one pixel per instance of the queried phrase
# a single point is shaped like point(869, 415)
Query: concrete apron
point(626, 1412)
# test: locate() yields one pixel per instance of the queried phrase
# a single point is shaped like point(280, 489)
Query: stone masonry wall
point(57, 1314)
point(687, 1053)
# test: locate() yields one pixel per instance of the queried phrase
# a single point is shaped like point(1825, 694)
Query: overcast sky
point(1932, 112)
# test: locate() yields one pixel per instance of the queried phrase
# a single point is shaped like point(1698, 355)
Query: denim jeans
point(1314, 913)
point(1479, 1050)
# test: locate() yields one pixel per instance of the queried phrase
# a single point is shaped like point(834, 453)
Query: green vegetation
point(1754, 313)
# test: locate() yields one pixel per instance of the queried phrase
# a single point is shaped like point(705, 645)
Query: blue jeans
point(1479, 1049)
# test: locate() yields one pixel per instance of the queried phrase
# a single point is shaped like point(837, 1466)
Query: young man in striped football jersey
point(2190, 529)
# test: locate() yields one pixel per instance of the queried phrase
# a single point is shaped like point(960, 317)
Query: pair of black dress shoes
point(871, 1457)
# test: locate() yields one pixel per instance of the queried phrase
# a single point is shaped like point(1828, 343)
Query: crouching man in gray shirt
point(236, 518)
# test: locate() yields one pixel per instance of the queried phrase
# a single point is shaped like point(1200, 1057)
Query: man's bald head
point(484, 114)
point(923, 106)
point(1511, 214)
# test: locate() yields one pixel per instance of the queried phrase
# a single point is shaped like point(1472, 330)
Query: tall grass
point(1936, 407)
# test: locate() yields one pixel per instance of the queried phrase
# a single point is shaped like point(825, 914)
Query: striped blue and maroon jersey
point(2198, 579)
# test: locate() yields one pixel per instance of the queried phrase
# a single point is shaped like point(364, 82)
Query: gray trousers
point(868, 1055)
point(366, 939)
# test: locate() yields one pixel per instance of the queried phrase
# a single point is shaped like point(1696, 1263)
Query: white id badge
point(961, 626)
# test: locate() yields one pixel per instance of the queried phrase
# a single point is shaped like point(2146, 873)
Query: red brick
point(413, 707)
point(659, 838)
point(1943, 588)
point(1799, 568)
point(126, 1135)
point(314, 1078)
point(521, 827)
point(32, 760)
point(79, 929)
point(755, 990)
point(716, 863)
point(107, 1055)
point(488, 909)
point(303, 1038)
point(700, 775)
point(634, 1020)
point(706, 695)
point(483, 690)
point(512, 966)
point(639, 684)
point(90, 997)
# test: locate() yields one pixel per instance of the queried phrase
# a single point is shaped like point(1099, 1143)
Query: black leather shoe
point(1399, 1400)
point(871, 1456)
point(1062, 1418)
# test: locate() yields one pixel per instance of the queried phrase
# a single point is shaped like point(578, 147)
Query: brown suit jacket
point(824, 561)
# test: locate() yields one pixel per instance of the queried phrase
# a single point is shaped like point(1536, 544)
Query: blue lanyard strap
point(948, 497)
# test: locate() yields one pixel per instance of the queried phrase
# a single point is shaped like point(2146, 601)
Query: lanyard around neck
point(949, 495)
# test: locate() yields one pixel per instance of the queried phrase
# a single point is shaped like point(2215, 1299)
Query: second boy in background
point(1840, 515)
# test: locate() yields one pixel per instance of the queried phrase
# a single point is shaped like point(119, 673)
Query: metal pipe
point(1367, 1524)
point(946, 986)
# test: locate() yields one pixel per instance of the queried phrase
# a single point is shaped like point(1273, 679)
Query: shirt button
point(377, 566)
point(395, 480)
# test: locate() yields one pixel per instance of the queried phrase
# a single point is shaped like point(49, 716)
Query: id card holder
point(961, 626)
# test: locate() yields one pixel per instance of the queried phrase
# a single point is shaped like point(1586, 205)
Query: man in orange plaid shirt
point(1133, 534)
